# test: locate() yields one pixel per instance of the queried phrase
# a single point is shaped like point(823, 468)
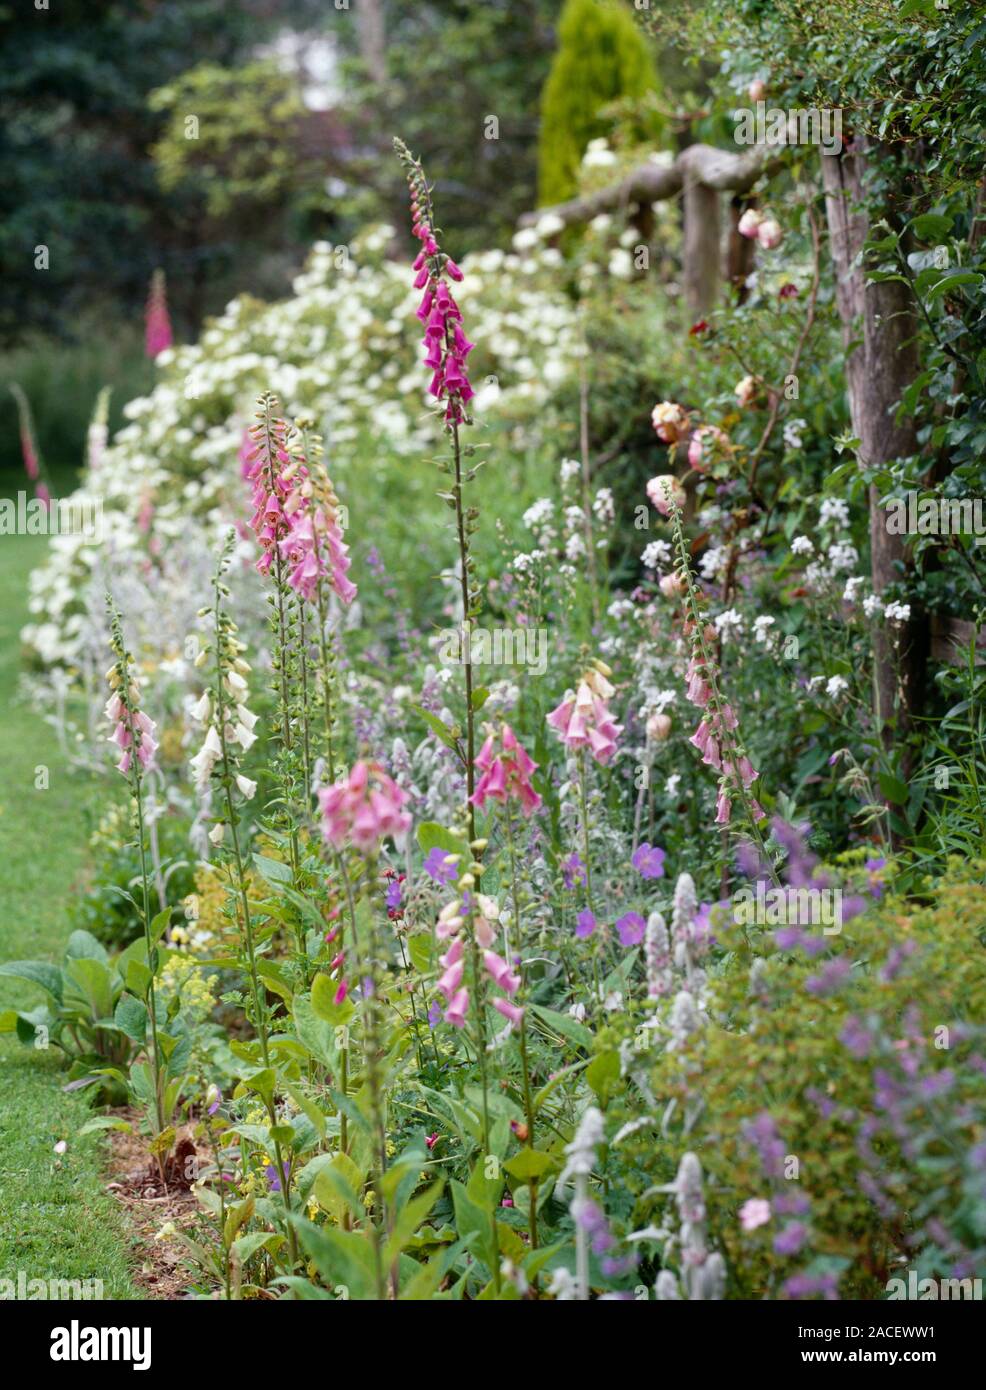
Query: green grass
point(55, 1219)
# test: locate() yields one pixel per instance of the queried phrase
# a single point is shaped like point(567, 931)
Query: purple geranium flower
point(585, 923)
point(791, 1239)
point(441, 866)
point(873, 867)
point(648, 860)
point(273, 1177)
point(630, 928)
point(572, 871)
point(394, 893)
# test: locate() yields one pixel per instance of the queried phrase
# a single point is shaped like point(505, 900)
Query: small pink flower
point(746, 391)
point(457, 1009)
point(757, 89)
point(749, 223)
point(501, 972)
point(583, 720)
point(513, 1012)
point(753, 1213)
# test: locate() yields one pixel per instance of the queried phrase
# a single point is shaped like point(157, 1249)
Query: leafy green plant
point(85, 1015)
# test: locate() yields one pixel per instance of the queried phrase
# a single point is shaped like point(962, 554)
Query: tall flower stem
point(698, 626)
point(584, 813)
point(152, 1005)
point(227, 780)
point(367, 973)
point(327, 674)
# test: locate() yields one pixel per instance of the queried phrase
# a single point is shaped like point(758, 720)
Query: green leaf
point(273, 870)
point(931, 226)
point(485, 1192)
point(409, 1217)
point(96, 983)
point(236, 1217)
point(313, 1032)
point(421, 1287)
point(528, 1164)
point(951, 281)
point(323, 995)
point(82, 945)
point(39, 972)
point(893, 789)
point(337, 1187)
point(344, 1258)
point(262, 1082)
point(160, 924)
point(437, 727)
point(274, 979)
point(106, 1122)
point(474, 1225)
point(244, 1247)
point(309, 1107)
point(421, 949)
point(431, 835)
point(564, 1024)
point(603, 1074)
point(130, 1016)
point(138, 978)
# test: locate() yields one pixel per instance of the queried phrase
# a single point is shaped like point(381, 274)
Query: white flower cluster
point(344, 349)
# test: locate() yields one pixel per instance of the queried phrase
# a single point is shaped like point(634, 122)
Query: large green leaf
point(82, 945)
point(313, 1032)
point(39, 972)
point(344, 1258)
point(131, 1016)
point(96, 983)
point(474, 1225)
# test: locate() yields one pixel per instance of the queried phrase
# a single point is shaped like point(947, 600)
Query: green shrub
point(602, 56)
point(868, 1084)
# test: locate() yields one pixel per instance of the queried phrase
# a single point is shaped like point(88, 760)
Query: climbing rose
point(749, 223)
point(704, 444)
point(770, 233)
point(670, 421)
point(663, 490)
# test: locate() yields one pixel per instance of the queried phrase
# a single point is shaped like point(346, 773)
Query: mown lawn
point(55, 1219)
